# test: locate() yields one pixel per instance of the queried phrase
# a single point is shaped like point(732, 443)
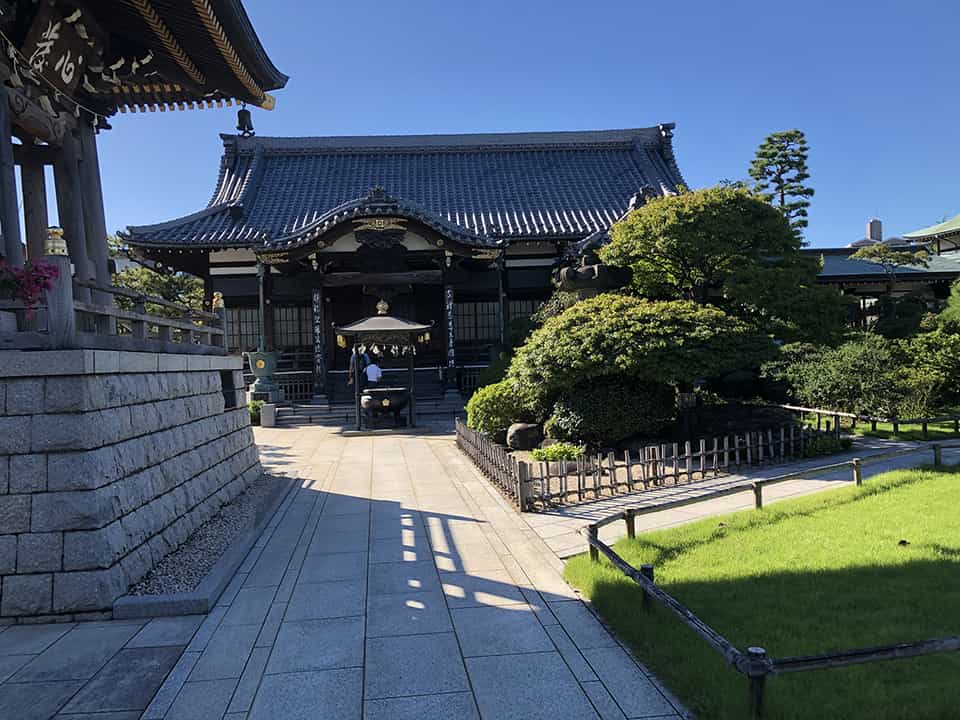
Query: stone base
point(108, 461)
point(272, 396)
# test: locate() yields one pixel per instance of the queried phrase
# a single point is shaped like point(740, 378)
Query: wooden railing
point(894, 421)
point(66, 322)
point(754, 662)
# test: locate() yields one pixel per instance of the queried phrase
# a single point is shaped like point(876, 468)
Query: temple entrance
point(421, 303)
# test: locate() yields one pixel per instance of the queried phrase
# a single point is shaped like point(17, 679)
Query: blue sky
point(871, 83)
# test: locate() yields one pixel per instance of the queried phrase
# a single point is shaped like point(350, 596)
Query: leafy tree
point(779, 171)
point(862, 375)
point(932, 372)
point(891, 260)
point(177, 287)
point(726, 246)
point(634, 340)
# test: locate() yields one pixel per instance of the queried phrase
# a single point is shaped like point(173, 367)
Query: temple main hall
point(461, 231)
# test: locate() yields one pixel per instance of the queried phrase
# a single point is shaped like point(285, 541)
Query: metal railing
point(754, 662)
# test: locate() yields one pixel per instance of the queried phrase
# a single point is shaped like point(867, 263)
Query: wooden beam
point(35, 216)
point(341, 279)
point(94, 221)
point(43, 154)
point(9, 210)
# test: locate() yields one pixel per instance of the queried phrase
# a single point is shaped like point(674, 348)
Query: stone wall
point(108, 461)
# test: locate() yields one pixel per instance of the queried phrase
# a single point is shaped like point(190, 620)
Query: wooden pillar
point(502, 296)
point(265, 307)
point(94, 222)
point(66, 174)
point(449, 322)
point(36, 220)
point(319, 342)
point(9, 210)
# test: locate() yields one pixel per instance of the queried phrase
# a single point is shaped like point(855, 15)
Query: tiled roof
point(838, 266)
point(948, 227)
point(482, 188)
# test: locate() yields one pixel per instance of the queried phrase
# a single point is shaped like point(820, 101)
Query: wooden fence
point(593, 476)
point(64, 321)
point(825, 416)
point(754, 662)
point(533, 484)
point(496, 462)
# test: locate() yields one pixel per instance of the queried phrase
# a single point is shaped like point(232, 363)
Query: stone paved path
point(559, 528)
point(394, 583)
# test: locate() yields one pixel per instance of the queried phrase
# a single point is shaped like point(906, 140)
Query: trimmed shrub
point(494, 408)
point(608, 411)
point(635, 340)
point(557, 451)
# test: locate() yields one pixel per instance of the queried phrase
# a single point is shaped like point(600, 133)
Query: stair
point(342, 413)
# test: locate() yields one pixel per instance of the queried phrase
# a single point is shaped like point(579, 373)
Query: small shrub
point(557, 451)
point(610, 410)
point(254, 407)
point(826, 445)
point(494, 408)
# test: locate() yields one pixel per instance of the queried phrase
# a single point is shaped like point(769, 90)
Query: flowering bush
point(27, 283)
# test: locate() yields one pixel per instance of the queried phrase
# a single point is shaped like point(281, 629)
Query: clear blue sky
point(873, 84)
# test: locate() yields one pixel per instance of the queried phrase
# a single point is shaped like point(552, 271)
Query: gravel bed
point(182, 570)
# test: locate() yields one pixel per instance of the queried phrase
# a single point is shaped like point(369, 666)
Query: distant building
point(868, 281)
point(943, 237)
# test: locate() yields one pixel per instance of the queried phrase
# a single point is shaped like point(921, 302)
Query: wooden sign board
point(55, 50)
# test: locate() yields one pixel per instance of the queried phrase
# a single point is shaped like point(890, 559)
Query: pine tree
point(779, 171)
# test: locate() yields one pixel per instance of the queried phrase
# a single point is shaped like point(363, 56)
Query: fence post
point(937, 455)
point(626, 460)
point(523, 484)
point(836, 424)
point(758, 680)
point(631, 521)
point(594, 552)
point(647, 572)
point(61, 319)
point(757, 495)
point(896, 426)
point(956, 426)
point(857, 471)
point(873, 424)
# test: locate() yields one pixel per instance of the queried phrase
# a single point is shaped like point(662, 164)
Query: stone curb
point(204, 598)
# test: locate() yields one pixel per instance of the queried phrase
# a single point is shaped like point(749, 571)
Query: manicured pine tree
point(779, 171)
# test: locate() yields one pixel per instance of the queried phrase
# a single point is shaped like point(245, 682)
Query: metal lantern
point(245, 122)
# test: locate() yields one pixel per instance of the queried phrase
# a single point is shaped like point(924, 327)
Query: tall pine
point(779, 171)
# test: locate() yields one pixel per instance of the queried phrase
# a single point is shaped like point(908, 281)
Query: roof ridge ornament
point(383, 307)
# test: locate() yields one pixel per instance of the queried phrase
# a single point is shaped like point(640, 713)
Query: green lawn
point(821, 573)
point(935, 431)
point(908, 431)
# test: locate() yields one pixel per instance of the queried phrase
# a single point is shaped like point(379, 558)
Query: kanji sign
point(55, 50)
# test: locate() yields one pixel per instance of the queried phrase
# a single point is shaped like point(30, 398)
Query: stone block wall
point(108, 461)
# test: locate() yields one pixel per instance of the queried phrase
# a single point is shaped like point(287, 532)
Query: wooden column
point(94, 221)
point(448, 321)
point(319, 343)
point(502, 288)
point(9, 210)
point(36, 220)
point(265, 307)
point(66, 172)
